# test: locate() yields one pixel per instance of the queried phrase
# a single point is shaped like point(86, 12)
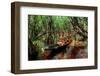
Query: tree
point(79, 25)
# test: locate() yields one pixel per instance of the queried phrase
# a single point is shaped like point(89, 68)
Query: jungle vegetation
point(44, 31)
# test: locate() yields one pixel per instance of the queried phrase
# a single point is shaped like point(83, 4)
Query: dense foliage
point(44, 31)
